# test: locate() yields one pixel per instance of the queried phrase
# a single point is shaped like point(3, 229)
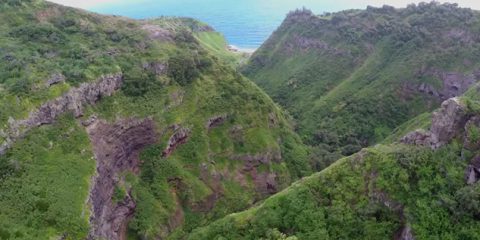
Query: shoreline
point(234, 48)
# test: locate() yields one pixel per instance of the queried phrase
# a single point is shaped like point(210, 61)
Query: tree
point(183, 69)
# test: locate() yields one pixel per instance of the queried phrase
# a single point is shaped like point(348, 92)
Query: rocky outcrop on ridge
point(452, 120)
point(447, 122)
point(158, 33)
point(116, 148)
point(73, 101)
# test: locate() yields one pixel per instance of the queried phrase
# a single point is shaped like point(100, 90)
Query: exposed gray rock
point(428, 89)
point(158, 33)
point(406, 234)
point(447, 122)
point(450, 121)
point(265, 182)
point(178, 138)
point(472, 174)
point(213, 180)
point(253, 161)
point(216, 121)
point(73, 101)
point(116, 148)
point(55, 79)
point(453, 83)
point(383, 198)
point(418, 137)
point(157, 67)
point(92, 119)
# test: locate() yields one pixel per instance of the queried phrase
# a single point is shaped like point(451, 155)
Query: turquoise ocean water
point(245, 23)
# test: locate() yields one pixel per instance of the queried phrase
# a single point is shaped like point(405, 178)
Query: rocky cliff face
point(405, 234)
point(73, 101)
point(453, 83)
point(447, 122)
point(178, 138)
point(450, 121)
point(472, 174)
point(265, 182)
point(116, 147)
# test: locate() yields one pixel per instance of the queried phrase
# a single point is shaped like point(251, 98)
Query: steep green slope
point(395, 191)
point(210, 39)
point(178, 137)
point(350, 78)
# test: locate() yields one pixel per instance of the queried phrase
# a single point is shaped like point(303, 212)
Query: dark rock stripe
point(73, 101)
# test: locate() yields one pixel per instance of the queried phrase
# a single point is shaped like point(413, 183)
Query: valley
point(359, 124)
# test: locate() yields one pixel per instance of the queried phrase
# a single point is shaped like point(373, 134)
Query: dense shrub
point(322, 156)
point(137, 82)
point(350, 149)
point(468, 201)
point(185, 37)
point(43, 33)
point(183, 69)
point(20, 86)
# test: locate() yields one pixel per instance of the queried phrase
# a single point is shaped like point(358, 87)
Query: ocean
point(246, 24)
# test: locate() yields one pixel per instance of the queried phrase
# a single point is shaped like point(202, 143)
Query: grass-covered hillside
point(397, 191)
point(116, 128)
point(350, 78)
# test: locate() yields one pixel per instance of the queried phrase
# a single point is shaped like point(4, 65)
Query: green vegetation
point(182, 78)
point(370, 195)
point(44, 182)
point(351, 78)
point(215, 42)
point(213, 149)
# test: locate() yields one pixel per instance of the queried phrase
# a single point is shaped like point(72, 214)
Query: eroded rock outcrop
point(216, 121)
point(265, 182)
point(156, 32)
point(405, 234)
point(472, 174)
point(178, 138)
point(213, 180)
point(451, 121)
point(73, 101)
point(453, 83)
point(447, 122)
point(55, 78)
point(116, 148)
point(158, 68)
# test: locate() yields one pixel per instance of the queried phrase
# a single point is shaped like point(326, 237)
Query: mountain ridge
point(117, 128)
